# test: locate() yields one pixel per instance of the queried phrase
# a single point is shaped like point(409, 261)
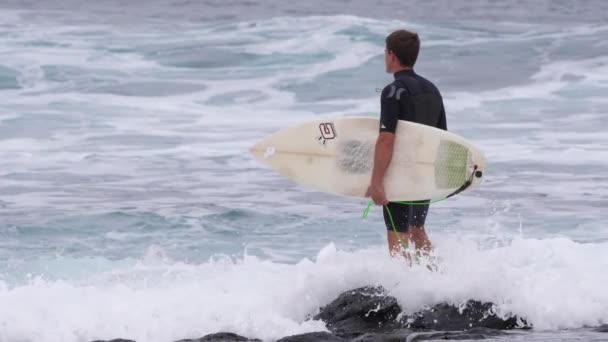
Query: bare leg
point(421, 240)
point(398, 244)
point(424, 247)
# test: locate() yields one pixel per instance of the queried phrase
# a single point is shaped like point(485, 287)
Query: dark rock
point(472, 334)
point(370, 337)
point(446, 317)
point(402, 335)
point(313, 337)
point(398, 335)
point(602, 328)
point(115, 340)
point(369, 314)
point(361, 311)
point(221, 337)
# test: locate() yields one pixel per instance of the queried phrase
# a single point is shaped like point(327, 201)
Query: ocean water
point(130, 207)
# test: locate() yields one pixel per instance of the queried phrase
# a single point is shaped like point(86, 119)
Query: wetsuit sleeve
point(442, 124)
point(389, 110)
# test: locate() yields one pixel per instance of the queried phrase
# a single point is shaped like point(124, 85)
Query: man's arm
point(389, 116)
point(382, 157)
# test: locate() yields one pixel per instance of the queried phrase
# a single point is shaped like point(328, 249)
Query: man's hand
point(376, 192)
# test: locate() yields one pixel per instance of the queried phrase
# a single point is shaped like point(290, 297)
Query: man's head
point(402, 49)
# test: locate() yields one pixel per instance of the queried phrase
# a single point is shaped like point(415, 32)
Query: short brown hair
point(405, 45)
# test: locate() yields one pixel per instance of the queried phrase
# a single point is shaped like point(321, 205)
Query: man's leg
point(397, 232)
point(421, 240)
point(398, 244)
point(417, 218)
point(409, 221)
point(424, 247)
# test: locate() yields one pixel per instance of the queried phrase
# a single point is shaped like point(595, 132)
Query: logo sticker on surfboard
point(270, 151)
point(328, 132)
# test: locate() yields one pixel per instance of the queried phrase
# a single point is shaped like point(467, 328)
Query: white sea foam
point(554, 283)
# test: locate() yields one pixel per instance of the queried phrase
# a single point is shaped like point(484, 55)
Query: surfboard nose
point(258, 144)
point(256, 148)
point(262, 150)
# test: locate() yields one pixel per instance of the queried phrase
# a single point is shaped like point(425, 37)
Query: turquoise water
point(127, 190)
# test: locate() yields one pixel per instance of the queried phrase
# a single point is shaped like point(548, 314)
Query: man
point(409, 97)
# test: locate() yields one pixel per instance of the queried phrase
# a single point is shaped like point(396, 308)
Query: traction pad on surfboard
point(451, 165)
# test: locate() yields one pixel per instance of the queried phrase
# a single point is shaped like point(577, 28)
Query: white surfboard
point(335, 155)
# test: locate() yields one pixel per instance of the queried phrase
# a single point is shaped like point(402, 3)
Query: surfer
point(409, 97)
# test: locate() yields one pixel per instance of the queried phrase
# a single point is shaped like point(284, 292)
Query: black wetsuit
point(410, 97)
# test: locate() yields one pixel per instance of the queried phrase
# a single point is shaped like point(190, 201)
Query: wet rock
point(472, 334)
point(447, 317)
point(369, 310)
point(360, 311)
point(221, 337)
point(408, 335)
point(398, 335)
point(313, 337)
